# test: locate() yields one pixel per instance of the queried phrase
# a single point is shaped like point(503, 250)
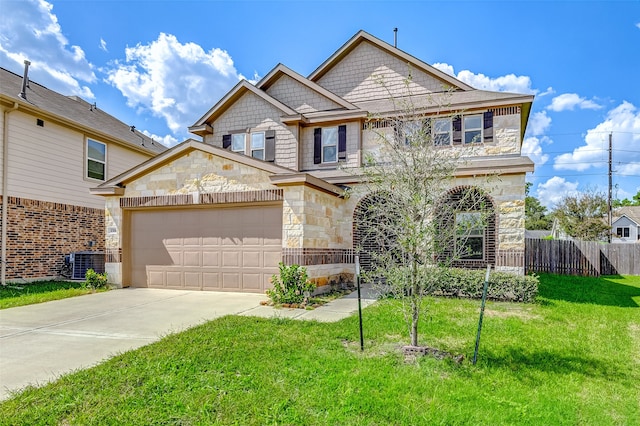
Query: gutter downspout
point(5, 196)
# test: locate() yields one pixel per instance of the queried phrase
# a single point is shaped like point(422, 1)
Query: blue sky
point(160, 65)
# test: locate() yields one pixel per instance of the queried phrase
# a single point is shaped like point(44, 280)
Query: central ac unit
point(83, 260)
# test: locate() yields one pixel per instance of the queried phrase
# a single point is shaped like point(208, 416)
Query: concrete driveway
point(38, 343)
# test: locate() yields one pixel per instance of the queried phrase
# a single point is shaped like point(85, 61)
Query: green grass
point(571, 359)
point(13, 295)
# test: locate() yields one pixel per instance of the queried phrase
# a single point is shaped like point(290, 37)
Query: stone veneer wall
point(40, 234)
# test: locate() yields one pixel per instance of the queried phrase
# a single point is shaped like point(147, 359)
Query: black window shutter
point(226, 141)
point(457, 130)
point(342, 142)
point(488, 126)
point(270, 145)
point(317, 145)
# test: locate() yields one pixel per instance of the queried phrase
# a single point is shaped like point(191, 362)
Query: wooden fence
point(585, 258)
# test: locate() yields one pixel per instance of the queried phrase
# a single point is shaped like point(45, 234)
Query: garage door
point(229, 249)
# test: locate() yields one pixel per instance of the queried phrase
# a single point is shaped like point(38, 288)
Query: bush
point(291, 285)
point(502, 286)
point(94, 280)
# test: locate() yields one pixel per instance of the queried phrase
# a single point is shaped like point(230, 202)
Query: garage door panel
point(192, 258)
point(210, 258)
point(231, 280)
point(233, 249)
point(192, 280)
point(211, 281)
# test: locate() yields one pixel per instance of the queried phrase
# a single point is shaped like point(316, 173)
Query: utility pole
point(610, 186)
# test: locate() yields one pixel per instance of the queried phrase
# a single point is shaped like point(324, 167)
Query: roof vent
point(25, 80)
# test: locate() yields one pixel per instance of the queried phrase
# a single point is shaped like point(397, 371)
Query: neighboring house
point(54, 148)
point(625, 227)
point(266, 184)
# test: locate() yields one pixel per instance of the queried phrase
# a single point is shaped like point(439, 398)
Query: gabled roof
point(231, 97)
point(115, 186)
point(363, 36)
point(73, 112)
point(281, 70)
point(630, 212)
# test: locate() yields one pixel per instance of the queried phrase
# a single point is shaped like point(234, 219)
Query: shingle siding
point(298, 97)
point(357, 77)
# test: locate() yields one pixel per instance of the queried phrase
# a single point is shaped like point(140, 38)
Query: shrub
point(95, 280)
point(502, 286)
point(291, 285)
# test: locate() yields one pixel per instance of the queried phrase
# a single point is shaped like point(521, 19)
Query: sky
point(160, 65)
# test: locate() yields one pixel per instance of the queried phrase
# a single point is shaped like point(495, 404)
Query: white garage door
point(229, 249)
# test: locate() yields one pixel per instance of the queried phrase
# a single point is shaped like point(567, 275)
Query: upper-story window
point(472, 128)
point(441, 131)
point(260, 145)
point(330, 144)
point(96, 160)
point(257, 145)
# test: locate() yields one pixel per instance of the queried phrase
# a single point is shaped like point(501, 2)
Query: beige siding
point(357, 77)
point(254, 113)
point(2, 110)
point(299, 97)
point(48, 163)
point(353, 147)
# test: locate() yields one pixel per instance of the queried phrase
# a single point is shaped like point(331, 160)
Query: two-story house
point(266, 184)
point(53, 149)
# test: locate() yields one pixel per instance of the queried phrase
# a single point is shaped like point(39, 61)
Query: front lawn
point(13, 295)
point(572, 358)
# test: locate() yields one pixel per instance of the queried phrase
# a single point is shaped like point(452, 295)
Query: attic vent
point(40, 122)
point(377, 124)
point(512, 110)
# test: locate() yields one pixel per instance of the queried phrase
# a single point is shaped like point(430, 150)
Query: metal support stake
point(359, 302)
point(484, 299)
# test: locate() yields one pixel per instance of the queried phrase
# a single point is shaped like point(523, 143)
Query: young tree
point(535, 213)
point(417, 231)
point(583, 215)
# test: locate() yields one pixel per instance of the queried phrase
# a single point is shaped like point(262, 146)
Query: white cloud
point(30, 30)
point(539, 123)
point(167, 140)
point(506, 83)
point(553, 191)
point(532, 147)
point(177, 82)
point(624, 123)
point(569, 101)
point(638, 25)
point(103, 45)
point(549, 91)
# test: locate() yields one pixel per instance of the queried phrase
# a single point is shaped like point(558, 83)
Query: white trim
point(87, 159)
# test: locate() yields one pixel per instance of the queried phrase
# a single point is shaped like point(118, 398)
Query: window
point(472, 128)
point(442, 131)
point(237, 142)
point(622, 232)
point(329, 144)
point(96, 159)
point(411, 132)
point(469, 236)
point(257, 145)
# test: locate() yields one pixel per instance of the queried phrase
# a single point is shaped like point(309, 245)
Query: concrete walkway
point(39, 343)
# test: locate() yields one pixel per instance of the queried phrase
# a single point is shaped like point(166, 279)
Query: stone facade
point(41, 233)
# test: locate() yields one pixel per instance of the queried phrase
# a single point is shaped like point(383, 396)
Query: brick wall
point(40, 233)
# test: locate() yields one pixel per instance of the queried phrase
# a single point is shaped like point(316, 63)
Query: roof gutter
point(5, 196)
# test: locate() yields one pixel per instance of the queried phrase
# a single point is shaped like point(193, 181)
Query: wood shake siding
point(40, 233)
point(298, 97)
point(253, 113)
point(357, 77)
